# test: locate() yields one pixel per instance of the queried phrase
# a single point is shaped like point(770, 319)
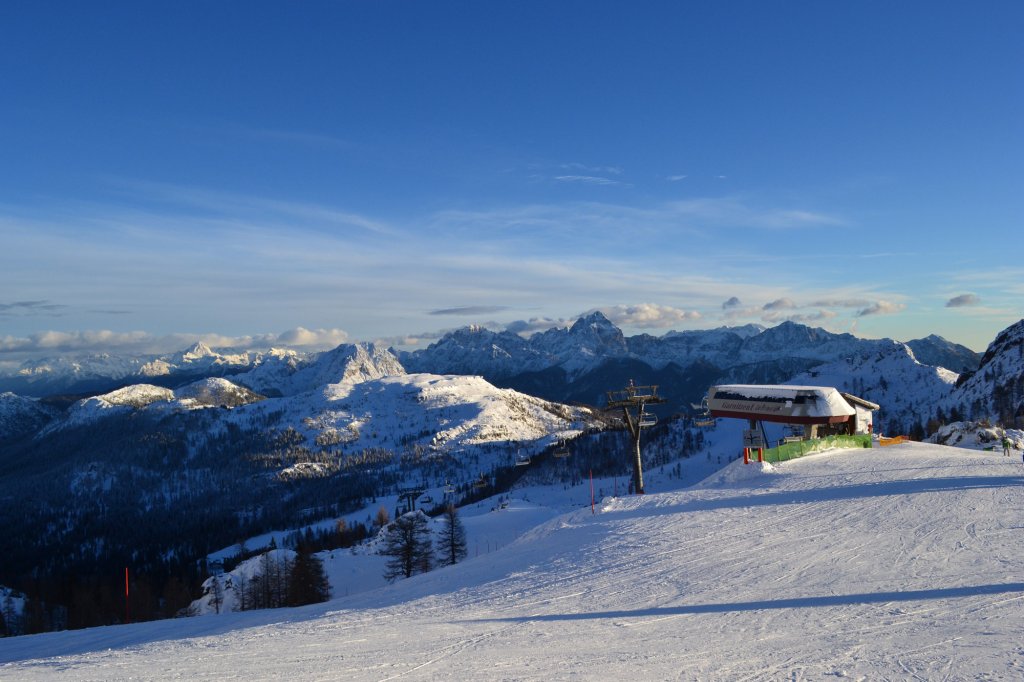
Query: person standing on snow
point(1006, 446)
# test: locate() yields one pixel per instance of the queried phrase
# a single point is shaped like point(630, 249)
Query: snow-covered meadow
point(893, 563)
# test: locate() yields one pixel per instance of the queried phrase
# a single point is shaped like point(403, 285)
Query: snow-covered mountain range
point(102, 372)
point(174, 465)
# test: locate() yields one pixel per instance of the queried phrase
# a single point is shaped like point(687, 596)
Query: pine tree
point(452, 544)
point(216, 594)
point(408, 545)
point(307, 583)
point(11, 618)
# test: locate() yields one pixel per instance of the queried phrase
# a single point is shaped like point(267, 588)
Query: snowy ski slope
point(893, 563)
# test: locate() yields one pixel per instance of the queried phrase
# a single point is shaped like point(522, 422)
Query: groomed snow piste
point(893, 563)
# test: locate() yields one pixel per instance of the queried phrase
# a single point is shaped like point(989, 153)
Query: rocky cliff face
point(995, 391)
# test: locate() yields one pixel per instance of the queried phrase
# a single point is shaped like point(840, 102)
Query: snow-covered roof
point(855, 401)
point(788, 404)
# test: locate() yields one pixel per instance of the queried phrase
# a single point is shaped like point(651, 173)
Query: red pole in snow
point(592, 492)
point(127, 616)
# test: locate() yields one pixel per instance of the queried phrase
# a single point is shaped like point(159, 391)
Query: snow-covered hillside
point(215, 392)
point(20, 416)
point(909, 393)
point(211, 392)
point(438, 414)
point(996, 390)
point(892, 563)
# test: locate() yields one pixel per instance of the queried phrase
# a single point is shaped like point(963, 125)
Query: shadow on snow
point(792, 603)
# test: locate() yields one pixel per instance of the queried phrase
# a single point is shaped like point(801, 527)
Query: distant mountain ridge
point(579, 363)
point(574, 364)
point(938, 352)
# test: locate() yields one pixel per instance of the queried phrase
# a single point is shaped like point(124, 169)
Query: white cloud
point(780, 304)
point(647, 315)
point(733, 314)
point(144, 343)
point(881, 308)
point(317, 338)
point(535, 324)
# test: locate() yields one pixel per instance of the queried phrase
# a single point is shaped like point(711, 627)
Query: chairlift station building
point(819, 409)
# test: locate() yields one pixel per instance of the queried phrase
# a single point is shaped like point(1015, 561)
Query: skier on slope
point(1006, 445)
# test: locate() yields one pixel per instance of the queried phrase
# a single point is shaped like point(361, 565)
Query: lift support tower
point(632, 400)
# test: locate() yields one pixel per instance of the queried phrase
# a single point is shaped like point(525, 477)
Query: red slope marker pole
point(592, 492)
point(127, 615)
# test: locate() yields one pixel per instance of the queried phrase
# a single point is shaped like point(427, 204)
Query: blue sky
point(316, 172)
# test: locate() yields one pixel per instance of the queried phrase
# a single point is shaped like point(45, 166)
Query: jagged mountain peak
point(595, 319)
point(348, 362)
point(197, 350)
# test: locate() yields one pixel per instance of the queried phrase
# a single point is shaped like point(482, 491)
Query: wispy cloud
point(30, 308)
point(676, 178)
point(841, 303)
point(469, 310)
point(254, 209)
point(778, 316)
point(587, 179)
point(963, 300)
point(582, 167)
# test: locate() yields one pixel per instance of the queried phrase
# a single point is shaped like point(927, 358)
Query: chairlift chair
point(522, 460)
point(647, 419)
point(704, 418)
point(481, 482)
point(561, 451)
